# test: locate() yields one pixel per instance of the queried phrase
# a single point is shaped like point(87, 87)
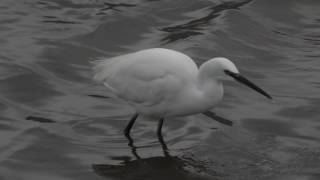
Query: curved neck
point(211, 89)
point(203, 94)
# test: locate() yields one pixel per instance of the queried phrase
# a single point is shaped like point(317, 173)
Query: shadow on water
point(113, 6)
point(157, 167)
point(195, 26)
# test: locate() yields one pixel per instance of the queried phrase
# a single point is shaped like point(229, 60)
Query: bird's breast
point(193, 100)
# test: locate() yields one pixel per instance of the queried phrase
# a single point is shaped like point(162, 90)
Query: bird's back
point(146, 77)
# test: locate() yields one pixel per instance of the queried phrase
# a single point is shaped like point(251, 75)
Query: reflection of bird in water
point(164, 83)
point(155, 168)
point(134, 148)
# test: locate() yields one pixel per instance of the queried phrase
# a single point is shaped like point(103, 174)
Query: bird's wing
point(136, 80)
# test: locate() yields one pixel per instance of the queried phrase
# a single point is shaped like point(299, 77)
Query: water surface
point(54, 124)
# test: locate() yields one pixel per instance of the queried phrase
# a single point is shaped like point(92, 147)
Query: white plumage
point(161, 82)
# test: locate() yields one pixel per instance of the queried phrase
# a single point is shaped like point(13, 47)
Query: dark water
point(51, 128)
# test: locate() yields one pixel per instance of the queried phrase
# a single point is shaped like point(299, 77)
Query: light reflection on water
point(55, 125)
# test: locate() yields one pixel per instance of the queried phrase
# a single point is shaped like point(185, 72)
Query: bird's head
point(217, 67)
point(223, 69)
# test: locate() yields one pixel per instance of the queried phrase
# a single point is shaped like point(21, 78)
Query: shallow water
point(55, 125)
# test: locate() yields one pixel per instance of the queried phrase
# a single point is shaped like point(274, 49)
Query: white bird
point(164, 83)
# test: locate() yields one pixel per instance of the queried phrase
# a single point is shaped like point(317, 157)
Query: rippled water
point(55, 125)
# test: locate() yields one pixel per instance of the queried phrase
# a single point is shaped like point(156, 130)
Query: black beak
point(245, 81)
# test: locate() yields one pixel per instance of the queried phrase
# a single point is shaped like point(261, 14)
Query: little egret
point(163, 83)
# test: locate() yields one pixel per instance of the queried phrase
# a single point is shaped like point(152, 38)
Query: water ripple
point(55, 122)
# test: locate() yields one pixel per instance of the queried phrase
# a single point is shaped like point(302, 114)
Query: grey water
point(56, 123)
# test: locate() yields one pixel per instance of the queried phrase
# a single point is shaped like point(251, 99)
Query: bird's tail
point(99, 68)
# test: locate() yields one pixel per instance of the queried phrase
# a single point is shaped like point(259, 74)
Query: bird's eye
point(232, 74)
point(228, 72)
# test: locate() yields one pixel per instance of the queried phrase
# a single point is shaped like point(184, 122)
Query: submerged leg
point(160, 138)
point(132, 146)
point(130, 124)
point(163, 145)
point(160, 127)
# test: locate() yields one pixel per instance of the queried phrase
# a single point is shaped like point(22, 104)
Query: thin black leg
point(130, 124)
point(163, 145)
point(161, 140)
point(160, 127)
point(132, 146)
